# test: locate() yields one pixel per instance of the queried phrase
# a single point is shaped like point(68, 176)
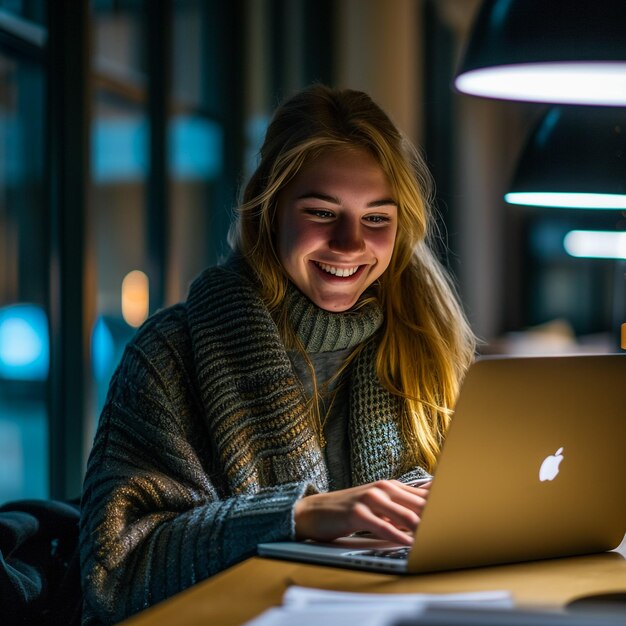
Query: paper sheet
point(310, 607)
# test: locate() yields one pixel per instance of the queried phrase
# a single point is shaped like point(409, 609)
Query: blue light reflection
point(24, 344)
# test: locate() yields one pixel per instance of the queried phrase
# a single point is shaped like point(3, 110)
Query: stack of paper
point(312, 607)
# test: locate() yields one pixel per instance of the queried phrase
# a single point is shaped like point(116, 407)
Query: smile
point(342, 272)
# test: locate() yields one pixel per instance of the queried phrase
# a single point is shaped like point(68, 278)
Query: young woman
point(301, 385)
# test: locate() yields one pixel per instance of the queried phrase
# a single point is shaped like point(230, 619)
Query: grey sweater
point(204, 446)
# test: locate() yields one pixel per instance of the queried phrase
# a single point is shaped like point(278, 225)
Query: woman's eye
point(377, 219)
point(320, 213)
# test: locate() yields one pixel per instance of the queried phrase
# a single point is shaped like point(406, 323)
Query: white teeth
point(338, 271)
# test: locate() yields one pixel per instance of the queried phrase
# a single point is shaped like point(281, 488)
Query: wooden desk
point(244, 591)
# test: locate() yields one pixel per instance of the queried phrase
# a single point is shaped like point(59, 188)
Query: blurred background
point(126, 130)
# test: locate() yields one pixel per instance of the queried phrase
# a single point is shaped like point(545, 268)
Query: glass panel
point(120, 162)
point(195, 162)
point(119, 38)
point(196, 146)
point(31, 10)
point(24, 344)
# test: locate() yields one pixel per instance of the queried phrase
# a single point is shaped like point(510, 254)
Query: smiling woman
point(303, 386)
point(336, 227)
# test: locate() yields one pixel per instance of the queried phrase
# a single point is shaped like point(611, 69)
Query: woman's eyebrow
point(314, 195)
point(383, 202)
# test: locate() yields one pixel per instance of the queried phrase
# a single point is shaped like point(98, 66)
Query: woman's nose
point(347, 236)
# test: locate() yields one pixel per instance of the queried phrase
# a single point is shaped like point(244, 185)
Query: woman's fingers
point(399, 507)
point(388, 509)
point(381, 528)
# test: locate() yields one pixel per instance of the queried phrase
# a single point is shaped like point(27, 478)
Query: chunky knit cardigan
point(204, 446)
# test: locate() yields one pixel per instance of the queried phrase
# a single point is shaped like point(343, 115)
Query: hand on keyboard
point(388, 509)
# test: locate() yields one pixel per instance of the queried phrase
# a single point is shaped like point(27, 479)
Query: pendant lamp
point(555, 51)
point(575, 158)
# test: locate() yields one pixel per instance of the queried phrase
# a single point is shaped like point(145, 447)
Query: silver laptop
point(533, 467)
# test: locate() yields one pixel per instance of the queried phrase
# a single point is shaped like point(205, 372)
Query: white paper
point(296, 596)
point(335, 615)
point(307, 606)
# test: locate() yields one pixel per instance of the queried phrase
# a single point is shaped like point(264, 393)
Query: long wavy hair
point(426, 343)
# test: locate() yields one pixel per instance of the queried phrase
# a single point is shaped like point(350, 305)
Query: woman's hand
point(388, 509)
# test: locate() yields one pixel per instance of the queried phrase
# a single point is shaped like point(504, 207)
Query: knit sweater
point(204, 446)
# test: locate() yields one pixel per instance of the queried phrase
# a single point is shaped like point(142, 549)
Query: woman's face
point(336, 227)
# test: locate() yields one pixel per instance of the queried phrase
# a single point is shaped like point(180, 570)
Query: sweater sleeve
point(157, 515)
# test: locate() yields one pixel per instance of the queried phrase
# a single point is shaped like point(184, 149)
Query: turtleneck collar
point(323, 331)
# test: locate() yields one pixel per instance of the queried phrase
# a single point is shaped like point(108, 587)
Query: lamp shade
point(575, 158)
point(556, 51)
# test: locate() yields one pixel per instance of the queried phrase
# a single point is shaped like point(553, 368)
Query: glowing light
point(588, 83)
point(610, 201)
point(135, 298)
point(102, 349)
point(595, 244)
point(24, 350)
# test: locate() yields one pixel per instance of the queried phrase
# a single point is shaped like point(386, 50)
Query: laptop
point(533, 467)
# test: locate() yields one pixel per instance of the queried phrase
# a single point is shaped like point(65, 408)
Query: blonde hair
point(426, 343)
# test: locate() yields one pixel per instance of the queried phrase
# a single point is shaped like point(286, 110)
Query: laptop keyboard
point(388, 553)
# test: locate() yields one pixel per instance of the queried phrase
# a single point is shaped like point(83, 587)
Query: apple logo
point(550, 466)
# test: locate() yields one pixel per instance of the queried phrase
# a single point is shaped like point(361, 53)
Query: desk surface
point(244, 591)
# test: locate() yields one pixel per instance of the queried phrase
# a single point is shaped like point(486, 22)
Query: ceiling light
point(547, 51)
point(595, 244)
point(574, 158)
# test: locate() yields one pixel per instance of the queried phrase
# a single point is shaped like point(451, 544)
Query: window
point(123, 138)
point(120, 163)
point(31, 10)
point(24, 342)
